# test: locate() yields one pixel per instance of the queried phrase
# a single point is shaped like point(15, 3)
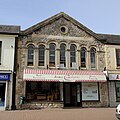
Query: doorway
point(2, 94)
point(72, 94)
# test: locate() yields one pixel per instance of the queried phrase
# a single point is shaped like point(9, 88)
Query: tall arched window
point(93, 57)
point(52, 54)
point(30, 55)
point(41, 55)
point(72, 55)
point(63, 54)
point(83, 57)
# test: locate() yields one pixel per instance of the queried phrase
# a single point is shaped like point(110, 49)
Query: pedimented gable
point(60, 25)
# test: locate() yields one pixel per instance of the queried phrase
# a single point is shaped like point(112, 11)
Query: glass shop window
point(43, 91)
point(117, 85)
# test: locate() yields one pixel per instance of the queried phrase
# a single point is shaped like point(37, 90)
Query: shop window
point(72, 54)
point(118, 57)
point(41, 55)
point(83, 57)
point(93, 57)
point(117, 85)
point(43, 91)
point(30, 58)
point(52, 55)
point(2, 94)
point(90, 91)
point(0, 50)
point(63, 54)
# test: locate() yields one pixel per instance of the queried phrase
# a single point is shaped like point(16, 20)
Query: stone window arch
point(52, 49)
point(72, 54)
point(41, 55)
point(93, 57)
point(83, 57)
point(63, 54)
point(30, 55)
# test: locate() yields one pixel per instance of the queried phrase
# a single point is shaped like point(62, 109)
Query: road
point(60, 114)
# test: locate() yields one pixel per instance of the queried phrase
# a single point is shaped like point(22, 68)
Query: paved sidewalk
point(60, 114)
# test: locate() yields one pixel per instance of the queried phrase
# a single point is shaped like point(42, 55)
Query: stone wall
point(51, 33)
point(41, 105)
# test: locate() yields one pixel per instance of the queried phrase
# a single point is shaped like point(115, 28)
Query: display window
point(43, 91)
point(117, 87)
point(90, 91)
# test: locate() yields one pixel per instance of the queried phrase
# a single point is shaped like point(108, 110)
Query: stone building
point(61, 63)
point(8, 48)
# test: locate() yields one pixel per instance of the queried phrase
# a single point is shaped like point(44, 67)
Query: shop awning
point(63, 75)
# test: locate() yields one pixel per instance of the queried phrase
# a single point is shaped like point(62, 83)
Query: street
point(60, 114)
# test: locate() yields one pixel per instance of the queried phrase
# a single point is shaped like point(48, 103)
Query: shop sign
point(114, 76)
point(4, 77)
point(64, 78)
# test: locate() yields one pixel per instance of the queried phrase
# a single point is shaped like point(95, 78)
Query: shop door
point(2, 94)
point(72, 95)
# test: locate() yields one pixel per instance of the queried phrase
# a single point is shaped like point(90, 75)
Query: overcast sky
point(101, 16)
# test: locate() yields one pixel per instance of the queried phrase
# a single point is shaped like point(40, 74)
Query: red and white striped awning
point(63, 75)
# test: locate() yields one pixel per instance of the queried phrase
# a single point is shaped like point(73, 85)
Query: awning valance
point(63, 75)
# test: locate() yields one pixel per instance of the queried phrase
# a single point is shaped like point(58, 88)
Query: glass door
point(2, 94)
point(72, 94)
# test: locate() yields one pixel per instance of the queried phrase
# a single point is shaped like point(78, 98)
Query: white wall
point(111, 56)
point(7, 54)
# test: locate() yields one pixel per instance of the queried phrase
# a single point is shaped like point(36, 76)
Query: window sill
point(118, 67)
point(83, 68)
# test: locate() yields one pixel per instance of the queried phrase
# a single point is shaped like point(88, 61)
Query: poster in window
point(90, 91)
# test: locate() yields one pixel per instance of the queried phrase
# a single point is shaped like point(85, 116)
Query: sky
point(100, 16)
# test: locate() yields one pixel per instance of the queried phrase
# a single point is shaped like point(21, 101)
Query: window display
point(117, 91)
point(49, 91)
point(90, 91)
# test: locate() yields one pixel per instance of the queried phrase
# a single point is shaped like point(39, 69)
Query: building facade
point(112, 48)
point(8, 38)
point(61, 63)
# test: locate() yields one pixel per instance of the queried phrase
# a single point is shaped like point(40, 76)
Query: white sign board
point(64, 78)
point(114, 76)
point(90, 91)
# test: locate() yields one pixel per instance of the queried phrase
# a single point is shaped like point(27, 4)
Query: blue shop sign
point(4, 77)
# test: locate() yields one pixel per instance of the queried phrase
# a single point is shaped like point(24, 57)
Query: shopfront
point(114, 89)
point(71, 87)
point(4, 78)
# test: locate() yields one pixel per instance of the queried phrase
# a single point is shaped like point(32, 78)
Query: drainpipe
point(13, 107)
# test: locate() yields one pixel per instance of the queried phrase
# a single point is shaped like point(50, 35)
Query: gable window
point(30, 58)
point(72, 54)
point(118, 57)
point(93, 57)
point(0, 50)
point(52, 55)
point(41, 55)
point(62, 54)
point(83, 57)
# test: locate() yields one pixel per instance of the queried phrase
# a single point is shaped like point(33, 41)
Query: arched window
point(41, 55)
point(52, 54)
point(83, 57)
point(63, 54)
point(72, 55)
point(93, 57)
point(30, 55)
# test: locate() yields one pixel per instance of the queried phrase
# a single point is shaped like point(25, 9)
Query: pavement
point(60, 114)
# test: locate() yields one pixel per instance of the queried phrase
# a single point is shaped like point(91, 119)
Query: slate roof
point(9, 29)
point(110, 39)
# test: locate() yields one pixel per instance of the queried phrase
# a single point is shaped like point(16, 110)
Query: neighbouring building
point(61, 64)
point(8, 44)
point(112, 51)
